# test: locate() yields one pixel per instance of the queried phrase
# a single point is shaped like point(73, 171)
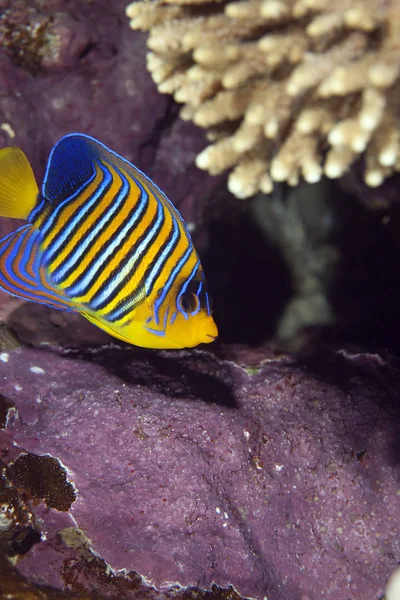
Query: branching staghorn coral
point(285, 88)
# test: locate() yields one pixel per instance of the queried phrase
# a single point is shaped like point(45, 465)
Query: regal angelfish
point(103, 240)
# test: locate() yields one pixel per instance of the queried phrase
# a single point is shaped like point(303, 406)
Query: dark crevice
point(148, 149)
point(87, 49)
point(24, 540)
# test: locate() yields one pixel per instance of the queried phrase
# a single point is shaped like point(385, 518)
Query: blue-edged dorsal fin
point(70, 168)
point(21, 273)
point(18, 188)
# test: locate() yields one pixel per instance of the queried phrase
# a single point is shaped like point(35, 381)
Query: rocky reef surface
point(192, 469)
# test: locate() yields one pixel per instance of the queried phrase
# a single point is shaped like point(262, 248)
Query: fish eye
point(188, 302)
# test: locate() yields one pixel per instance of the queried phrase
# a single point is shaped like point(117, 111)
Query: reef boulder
point(237, 469)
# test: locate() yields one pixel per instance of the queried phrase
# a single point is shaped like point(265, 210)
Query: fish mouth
point(212, 337)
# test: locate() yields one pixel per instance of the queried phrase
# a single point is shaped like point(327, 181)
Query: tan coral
point(285, 88)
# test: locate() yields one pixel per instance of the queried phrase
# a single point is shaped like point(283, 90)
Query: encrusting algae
point(285, 88)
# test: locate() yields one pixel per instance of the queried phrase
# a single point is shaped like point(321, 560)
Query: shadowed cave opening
point(252, 281)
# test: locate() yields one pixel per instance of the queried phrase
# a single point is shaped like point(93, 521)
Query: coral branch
point(296, 88)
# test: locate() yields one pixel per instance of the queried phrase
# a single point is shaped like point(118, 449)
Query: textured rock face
point(280, 479)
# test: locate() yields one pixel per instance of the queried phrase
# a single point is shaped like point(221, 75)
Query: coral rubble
point(286, 88)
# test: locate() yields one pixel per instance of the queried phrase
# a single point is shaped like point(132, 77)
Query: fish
point(101, 239)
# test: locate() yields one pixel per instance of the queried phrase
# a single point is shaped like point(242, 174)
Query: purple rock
point(280, 479)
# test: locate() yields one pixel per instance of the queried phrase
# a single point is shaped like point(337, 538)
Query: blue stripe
point(76, 255)
point(9, 275)
point(54, 214)
point(13, 254)
point(170, 281)
point(20, 288)
point(118, 313)
point(198, 296)
point(78, 288)
point(126, 305)
point(77, 218)
point(156, 269)
point(35, 211)
point(31, 249)
point(208, 304)
point(129, 266)
point(158, 332)
point(183, 290)
point(7, 237)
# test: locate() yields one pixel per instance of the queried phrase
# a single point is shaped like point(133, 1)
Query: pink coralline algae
point(280, 479)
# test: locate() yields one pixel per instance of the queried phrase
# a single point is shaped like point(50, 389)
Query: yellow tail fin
point(18, 188)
